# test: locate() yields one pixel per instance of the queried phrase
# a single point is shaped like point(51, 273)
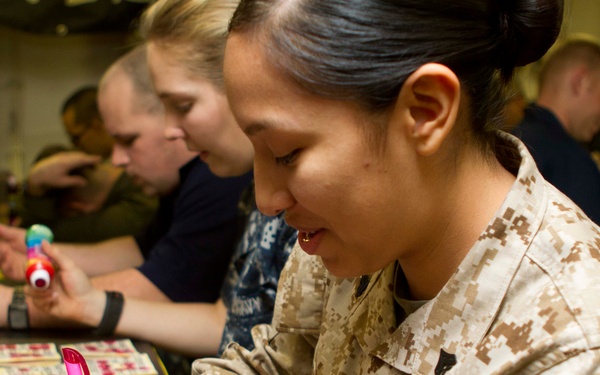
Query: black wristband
point(112, 314)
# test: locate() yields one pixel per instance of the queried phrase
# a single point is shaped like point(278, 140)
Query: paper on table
point(16, 353)
point(105, 357)
point(134, 364)
point(103, 348)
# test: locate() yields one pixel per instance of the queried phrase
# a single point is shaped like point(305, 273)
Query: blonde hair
point(193, 31)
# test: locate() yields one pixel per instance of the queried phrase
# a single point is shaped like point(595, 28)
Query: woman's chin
point(343, 268)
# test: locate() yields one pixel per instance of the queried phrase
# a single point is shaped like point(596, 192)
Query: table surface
point(67, 336)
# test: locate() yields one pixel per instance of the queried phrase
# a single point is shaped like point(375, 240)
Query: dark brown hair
point(363, 50)
point(83, 102)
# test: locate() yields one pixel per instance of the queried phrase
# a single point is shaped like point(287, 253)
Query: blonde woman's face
point(199, 113)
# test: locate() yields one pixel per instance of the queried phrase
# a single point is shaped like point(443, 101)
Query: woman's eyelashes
point(287, 159)
point(179, 108)
point(183, 108)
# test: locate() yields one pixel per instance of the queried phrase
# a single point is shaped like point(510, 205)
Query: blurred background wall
point(39, 69)
point(37, 72)
point(48, 49)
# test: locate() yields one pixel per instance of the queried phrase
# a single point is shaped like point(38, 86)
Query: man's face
point(90, 138)
point(140, 145)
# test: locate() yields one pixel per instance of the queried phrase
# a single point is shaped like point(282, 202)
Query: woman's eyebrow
point(258, 126)
point(255, 128)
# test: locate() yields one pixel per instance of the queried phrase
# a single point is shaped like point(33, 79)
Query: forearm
point(89, 311)
point(192, 329)
point(37, 318)
point(104, 257)
point(132, 283)
point(5, 298)
point(41, 319)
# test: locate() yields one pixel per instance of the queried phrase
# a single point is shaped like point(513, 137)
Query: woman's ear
point(429, 98)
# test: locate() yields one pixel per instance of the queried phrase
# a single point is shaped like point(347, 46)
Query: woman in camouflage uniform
point(428, 240)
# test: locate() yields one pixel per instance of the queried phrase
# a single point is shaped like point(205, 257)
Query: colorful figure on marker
point(39, 271)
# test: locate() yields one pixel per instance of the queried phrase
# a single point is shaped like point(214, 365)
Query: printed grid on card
point(135, 364)
point(14, 353)
point(103, 348)
point(33, 369)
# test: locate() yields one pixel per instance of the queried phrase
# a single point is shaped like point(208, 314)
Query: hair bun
point(529, 29)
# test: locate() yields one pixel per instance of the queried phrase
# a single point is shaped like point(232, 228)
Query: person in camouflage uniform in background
point(429, 242)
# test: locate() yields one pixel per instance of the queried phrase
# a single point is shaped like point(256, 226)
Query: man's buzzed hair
point(135, 67)
point(571, 52)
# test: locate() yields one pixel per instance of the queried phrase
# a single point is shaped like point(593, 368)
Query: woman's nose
point(272, 194)
point(172, 129)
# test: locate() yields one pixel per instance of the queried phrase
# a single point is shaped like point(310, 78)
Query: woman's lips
point(309, 241)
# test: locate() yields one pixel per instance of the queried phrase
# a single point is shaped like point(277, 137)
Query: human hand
point(91, 198)
point(57, 170)
point(6, 294)
point(70, 295)
point(13, 252)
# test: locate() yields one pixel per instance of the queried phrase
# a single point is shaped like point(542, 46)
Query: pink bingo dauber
point(75, 362)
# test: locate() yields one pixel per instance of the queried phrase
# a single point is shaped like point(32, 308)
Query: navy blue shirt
point(189, 246)
point(562, 161)
point(250, 287)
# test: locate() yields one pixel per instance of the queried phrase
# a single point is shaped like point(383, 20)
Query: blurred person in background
point(83, 198)
point(83, 123)
point(565, 118)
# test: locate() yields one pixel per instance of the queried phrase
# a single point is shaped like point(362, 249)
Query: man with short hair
point(565, 117)
point(83, 123)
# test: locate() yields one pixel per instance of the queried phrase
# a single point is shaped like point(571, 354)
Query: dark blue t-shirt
point(189, 246)
point(562, 161)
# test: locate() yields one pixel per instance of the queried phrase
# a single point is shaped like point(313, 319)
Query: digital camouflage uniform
point(525, 300)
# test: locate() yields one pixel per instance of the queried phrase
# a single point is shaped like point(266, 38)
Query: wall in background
point(37, 72)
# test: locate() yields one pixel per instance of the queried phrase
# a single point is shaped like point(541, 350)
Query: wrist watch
point(18, 316)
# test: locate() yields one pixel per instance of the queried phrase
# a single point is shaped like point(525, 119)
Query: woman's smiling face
point(199, 113)
point(312, 159)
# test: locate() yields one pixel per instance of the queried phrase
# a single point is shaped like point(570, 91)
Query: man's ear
point(576, 81)
point(429, 98)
